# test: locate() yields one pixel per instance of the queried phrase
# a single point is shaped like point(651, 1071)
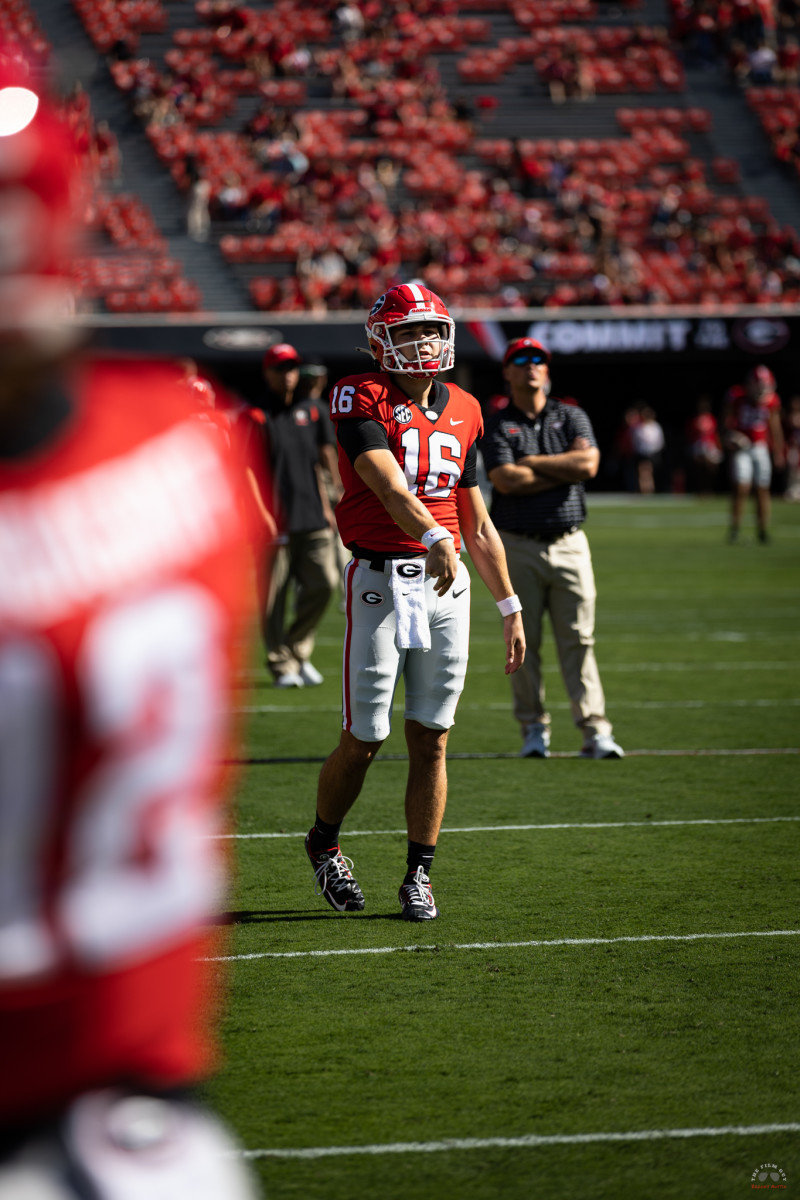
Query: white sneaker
point(537, 742)
point(309, 674)
point(290, 679)
point(602, 746)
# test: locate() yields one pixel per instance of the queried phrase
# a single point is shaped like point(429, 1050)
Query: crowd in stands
point(759, 41)
point(326, 206)
point(338, 202)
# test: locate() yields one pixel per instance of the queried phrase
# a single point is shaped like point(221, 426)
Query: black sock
point(419, 856)
point(323, 836)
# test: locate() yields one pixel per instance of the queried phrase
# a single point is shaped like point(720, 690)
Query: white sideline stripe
point(643, 937)
point(792, 702)
point(777, 665)
point(527, 1141)
point(523, 828)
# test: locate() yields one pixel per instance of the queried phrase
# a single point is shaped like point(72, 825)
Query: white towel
point(410, 608)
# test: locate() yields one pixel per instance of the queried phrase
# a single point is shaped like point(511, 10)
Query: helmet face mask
point(410, 332)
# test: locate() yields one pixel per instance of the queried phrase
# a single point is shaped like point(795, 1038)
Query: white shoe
point(309, 674)
point(290, 679)
point(537, 742)
point(602, 746)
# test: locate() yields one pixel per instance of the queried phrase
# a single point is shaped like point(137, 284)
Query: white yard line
point(528, 1141)
point(435, 947)
point(792, 702)
point(525, 828)
point(254, 760)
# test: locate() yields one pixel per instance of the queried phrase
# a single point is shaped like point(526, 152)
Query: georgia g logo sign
point(371, 598)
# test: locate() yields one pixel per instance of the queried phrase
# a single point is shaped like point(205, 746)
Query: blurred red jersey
point(750, 417)
point(431, 450)
point(121, 606)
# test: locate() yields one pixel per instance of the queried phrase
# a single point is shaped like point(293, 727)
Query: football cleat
point(416, 898)
point(602, 746)
point(333, 878)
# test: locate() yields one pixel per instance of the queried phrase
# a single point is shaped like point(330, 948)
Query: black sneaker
point(333, 880)
point(416, 898)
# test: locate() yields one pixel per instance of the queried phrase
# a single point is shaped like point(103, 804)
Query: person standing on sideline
point(298, 440)
point(122, 610)
point(407, 458)
point(538, 453)
point(314, 386)
point(753, 436)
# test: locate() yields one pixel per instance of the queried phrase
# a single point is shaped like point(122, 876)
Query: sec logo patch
point(372, 598)
point(402, 414)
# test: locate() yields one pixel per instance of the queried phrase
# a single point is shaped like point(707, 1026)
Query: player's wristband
point(438, 534)
point(509, 605)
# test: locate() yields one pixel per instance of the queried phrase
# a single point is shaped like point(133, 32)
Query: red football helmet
point(391, 335)
point(40, 213)
point(761, 380)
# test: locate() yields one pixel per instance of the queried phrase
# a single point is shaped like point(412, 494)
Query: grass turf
point(699, 648)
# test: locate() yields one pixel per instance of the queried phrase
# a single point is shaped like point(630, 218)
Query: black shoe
point(333, 880)
point(416, 898)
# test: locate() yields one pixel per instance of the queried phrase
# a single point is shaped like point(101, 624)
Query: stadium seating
point(345, 135)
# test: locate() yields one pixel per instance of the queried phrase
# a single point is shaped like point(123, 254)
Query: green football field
point(608, 1003)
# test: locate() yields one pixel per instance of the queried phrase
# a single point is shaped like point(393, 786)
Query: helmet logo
point(402, 414)
point(377, 305)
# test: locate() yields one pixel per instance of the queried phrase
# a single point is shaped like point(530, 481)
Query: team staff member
point(297, 440)
point(121, 604)
point(407, 458)
point(538, 452)
point(753, 435)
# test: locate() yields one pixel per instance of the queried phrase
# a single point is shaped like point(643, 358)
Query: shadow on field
point(267, 916)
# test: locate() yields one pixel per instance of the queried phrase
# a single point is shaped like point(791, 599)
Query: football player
point(407, 458)
point(753, 435)
point(122, 596)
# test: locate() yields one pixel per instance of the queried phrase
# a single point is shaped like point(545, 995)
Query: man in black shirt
point(299, 440)
point(538, 452)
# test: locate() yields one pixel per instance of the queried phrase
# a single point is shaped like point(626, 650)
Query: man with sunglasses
point(298, 441)
point(538, 453)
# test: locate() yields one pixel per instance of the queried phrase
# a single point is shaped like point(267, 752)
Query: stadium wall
point(606, 359)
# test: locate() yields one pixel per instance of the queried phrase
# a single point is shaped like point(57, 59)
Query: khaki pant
point(557, 579)
point(308, 559)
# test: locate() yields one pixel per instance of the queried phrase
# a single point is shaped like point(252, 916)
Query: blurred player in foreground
point(121, 603)
point(407, 451)
point(753, 435)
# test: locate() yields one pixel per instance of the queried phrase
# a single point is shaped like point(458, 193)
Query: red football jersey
point(750, 417)
point(121, 603)
point(431, 449)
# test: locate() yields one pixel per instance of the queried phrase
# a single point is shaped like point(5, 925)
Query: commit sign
point(678, 336)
